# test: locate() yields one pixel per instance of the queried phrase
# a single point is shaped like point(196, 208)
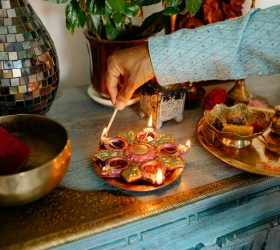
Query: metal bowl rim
point(46, 164)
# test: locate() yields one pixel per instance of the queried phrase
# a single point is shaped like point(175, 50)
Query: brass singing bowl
point(47, 164)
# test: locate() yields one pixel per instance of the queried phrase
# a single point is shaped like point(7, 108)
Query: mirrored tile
point(32, 78)
point(6, 5)
point(3, 13)
point(35, 94)
point(12, 29)
point(31, 87)
point(13, 90)
point(22, 54)
point(21, 89)
point(15, 82)
point(7, 21)
point(28, 95)
point(27, 35)
point(11, 13)
point(30, 53)
point(2, 38)
point(19, 37)
point(26, 62)
point(18, 46)
point(16, 73)
point(26, 45)
point(3, 30)
point(8, 64)
point(20, 29)
point(7, 74)
point(2, 46)
point(16, 21)
point(9, 47)
point(11, 38)
point(37, 51)
point(19, 97)
point(5, 82)
point(17, 64)
point(13, 55)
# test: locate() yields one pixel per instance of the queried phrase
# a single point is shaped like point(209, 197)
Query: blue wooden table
point(211, 206)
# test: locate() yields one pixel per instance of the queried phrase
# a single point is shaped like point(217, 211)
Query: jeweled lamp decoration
point(29, 69)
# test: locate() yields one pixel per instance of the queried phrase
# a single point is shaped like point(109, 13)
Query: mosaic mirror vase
point(29, 69)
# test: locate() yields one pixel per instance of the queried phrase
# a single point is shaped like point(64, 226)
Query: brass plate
point(139, 186)
point(254, 158)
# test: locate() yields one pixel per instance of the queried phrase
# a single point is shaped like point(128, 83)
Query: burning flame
point(104, 133)
point(150, 123)
point(150, 138)
point(159, 177)
point(188, 144)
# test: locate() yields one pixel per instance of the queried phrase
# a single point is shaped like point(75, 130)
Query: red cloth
point(13, 153)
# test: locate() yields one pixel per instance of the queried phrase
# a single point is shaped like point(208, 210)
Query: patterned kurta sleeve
point(232, 49)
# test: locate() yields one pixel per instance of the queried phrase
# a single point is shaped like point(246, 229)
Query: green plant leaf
point(111, 30)
point(118, 18)
point(193, 6)
point(117, 5)
point(75, 17)
point(96, 6)
point(152, 24)
point(170, 11)
point(132, 10)
point(173, 3)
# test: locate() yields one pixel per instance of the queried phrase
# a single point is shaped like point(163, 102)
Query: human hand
point(127, 70)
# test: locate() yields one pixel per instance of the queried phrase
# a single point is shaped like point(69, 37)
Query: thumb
point(124, 96)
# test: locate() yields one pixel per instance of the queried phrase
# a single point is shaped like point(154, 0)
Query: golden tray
point(254, 158)
point(140, 186)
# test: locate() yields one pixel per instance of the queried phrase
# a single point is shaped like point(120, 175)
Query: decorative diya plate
point(255, 158)
point(142, 161)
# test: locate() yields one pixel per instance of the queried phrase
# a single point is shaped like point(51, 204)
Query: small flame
point(150, 138)
point(104, 133)
point(150, 123)
point(188, 144)
point(159, 177)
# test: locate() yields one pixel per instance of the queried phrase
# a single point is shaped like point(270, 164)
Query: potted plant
point(108, 25)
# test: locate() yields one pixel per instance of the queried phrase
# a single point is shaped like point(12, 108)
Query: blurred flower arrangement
point(216, 96)
point(211, 11)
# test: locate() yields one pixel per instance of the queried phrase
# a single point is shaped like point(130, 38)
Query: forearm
point(232, 49)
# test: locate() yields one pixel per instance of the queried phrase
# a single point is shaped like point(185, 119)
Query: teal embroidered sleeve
point(232, 49)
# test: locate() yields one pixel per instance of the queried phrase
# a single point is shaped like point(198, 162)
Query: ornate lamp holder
point(163, 103)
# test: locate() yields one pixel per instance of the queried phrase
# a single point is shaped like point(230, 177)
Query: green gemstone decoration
point(165, 138)
point(104, 155)
point(172, 162)
point(132, 174)
point(128, 135)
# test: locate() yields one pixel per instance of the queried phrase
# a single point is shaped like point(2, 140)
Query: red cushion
point(13, 153)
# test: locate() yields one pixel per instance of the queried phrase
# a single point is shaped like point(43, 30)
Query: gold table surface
point(85, 205)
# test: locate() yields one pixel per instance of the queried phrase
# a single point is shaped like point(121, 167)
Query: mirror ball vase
point(29, 69)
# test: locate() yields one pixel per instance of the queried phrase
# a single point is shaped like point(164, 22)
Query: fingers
point(124, 95)
point(112, 79)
